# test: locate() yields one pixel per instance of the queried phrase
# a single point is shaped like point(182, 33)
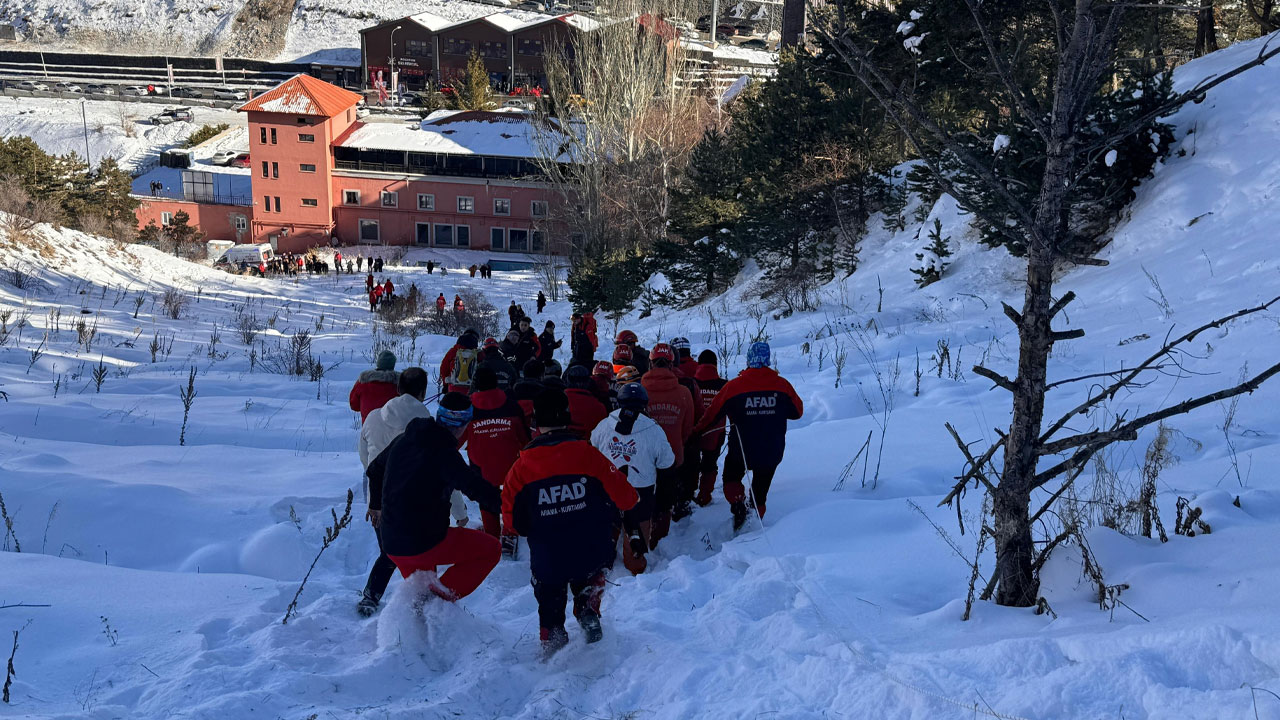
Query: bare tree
point(1082, 40)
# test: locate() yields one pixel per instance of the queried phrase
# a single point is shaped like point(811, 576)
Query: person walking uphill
point(375, 387)
point(671, 406)
point(758, 404)
point(563, 495)
point(409, 487)
point(494, 438)
point(711, 442)
point(381, 428)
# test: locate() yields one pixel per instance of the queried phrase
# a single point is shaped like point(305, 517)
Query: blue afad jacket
point(563, 495)
point(758, 403)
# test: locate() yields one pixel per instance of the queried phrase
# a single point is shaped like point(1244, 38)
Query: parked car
point(224, 157)
point(250, 255)
point(100, 89)
point(157, 90)
point(31, 85)
point(134, 90)
point(172, 115)
point(68, 87)
point(240, 161)
point(187, 93)
point(755, 44)
point(226, 93)
point(531, 6)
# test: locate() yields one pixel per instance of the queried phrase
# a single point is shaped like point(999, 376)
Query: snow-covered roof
point(303, 95)
point(453, 132)
point(731, 53)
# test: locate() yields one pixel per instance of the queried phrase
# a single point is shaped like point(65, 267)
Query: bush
point(205, 133)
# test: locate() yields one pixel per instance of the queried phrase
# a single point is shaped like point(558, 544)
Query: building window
point(529, 47)
point(466, 204)
point(496, 49)
point(444, 235)
point(501, 206)
point(273, 136)
point(306, 137)
point(422, 233)
point(306, 167)
point(426, 202)
point(266, 203)
point(264, 135)
point(456, 46)
point(351, 197)
point(310, 202)
point(390, 199)
point(264, 169)
point(277, 203)
point(242, 222)
point(498, 238)
point(166, 218)
point(537, 240)
point(369, 231)
point(519, 240)
point(462, 235)
point(275, 170)
point(538, 208)
point(417, 48)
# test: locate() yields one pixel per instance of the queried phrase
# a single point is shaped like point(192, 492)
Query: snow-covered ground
point(116, 129)
point(167, 569)
point(180, 27)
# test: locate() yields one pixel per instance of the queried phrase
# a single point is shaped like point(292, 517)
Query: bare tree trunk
point(1206, 32)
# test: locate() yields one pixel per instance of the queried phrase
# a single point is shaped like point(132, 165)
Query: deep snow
point(846, 604)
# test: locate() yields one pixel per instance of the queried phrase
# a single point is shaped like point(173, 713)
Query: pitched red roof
point(303, 95)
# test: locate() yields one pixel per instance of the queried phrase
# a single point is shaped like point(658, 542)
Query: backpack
point(465, 363)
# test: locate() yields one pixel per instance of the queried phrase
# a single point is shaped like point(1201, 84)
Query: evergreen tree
point(933, 259)
point(699, 258)
point(184, 238)
point(472, 90)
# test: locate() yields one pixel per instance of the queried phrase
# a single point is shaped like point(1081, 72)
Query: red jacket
point(586, 412)
point(758, 402)
point(372, 390)
point(496, 434)
point(671, 406)
point(564, 495)
point(709, 385)
point(446, 365)
point(388, 288)
point(688, 367)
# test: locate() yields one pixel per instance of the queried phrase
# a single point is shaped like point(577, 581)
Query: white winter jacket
point(385, 425)
point(644, 451)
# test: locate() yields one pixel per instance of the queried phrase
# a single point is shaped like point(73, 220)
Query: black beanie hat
point(551, 409)
point(533, 369)
point(707, 357)
point(485, 379)
point(468, 341)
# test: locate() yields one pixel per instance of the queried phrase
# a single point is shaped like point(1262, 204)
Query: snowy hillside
point(179, 27)
point(166, 569)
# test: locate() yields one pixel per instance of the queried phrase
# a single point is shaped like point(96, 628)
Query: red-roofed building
point(318, 174)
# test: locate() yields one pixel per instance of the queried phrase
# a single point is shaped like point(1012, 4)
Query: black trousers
point(381, 572)
point(666, 490)
point(735, 469)
point(552, 595)
point(642, 512)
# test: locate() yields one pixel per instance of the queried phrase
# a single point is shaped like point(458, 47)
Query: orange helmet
point(626, 337)
point(626, 375)
point(662, 351)
point(604, 368)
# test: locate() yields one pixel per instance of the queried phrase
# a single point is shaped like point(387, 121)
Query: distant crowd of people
point(580, 459)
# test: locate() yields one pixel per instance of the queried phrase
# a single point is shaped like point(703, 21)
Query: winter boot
point(590, 622)
point(510, 546)
point(706, 483)
point(661, 526)
point(368, 604)
point(552, 640)
point(739, 510)
point(682, 510)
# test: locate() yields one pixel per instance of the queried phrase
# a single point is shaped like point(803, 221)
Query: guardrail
point(150, 99)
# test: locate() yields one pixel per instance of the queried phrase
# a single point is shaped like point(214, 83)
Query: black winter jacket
point(411, 481)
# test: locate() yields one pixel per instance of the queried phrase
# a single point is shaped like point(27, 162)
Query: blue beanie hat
point(455, 410)
point(758, 355)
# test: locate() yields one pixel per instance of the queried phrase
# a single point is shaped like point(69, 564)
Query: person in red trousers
point(410, 483)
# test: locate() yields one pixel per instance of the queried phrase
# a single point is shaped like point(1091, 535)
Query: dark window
point(306, 167)
point(310, 202)
point(417, 48)
point(538, 208)
point(390, 199)
point(422, 233)
point(266, 203)
point(273, 136)
point(537, 240)
point(264, 135)
point(529, 47)
point(457, 46)
point(496, 49)
point(275, 170)
point(501, 206)
point(277, 203)
point(426, 202)
point(264, 168)
point(444, 235)
point(462, 235)
point(351, 197)
point(519, 240)
point(306, 137)
point(466, 204)
point(369, 231)
point(498, 238)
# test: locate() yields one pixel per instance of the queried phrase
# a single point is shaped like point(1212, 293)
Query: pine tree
point(933, 259)
point(184, 238)
point(472, 90)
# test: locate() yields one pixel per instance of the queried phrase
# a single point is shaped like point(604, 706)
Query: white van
point(251, 254)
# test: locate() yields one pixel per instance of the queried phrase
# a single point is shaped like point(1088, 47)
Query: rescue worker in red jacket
point(671, 406)
point(563, 495)
point(585, 408)
point(758, 403)
point(375, 387)
point(712, 441)
point(685, 368)
point(446, 363)
point(494, 438)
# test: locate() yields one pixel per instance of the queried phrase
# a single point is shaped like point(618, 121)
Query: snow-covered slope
point(179, 27)
point(167, 568)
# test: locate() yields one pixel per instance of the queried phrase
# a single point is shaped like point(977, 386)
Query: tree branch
point(1058, 335)
point(1025, 103)
point(975, 467)
point(1012, 314)
point(1061, 303)
point(995, 377)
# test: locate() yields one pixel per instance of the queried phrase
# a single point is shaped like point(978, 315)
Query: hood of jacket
point(401, 410)
point(660, 379)
point(489, 399)
point(386, 376)
point(707, 372)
